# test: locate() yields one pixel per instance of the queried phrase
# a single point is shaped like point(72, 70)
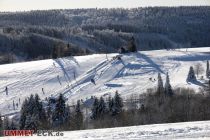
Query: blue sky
point(21, 5)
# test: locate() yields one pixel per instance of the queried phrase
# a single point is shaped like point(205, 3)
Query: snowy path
point(186, 130)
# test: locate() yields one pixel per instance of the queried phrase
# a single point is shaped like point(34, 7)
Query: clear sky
point(21, 5)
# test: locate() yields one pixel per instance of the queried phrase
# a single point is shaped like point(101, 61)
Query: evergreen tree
point(49, 114)
point(39, 114)
point(95, 109)
point(208, 88)
point(31, 103)
point(78, 108)
point(30, 122)
point(23, 114)
point(78, 116)
point(59, 115)
point(101, 106)
point(1, 122)
point(110, 104)
point(191, 75)
point(207, 69)
point(1, 125)
point(168, 89)
point(6, 125)
point(33, 115)
point(12, 126)
point(118, 104)
point(160, 88)
point(69, 118)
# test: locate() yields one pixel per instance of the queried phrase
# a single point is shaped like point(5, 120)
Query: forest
point(35, 35)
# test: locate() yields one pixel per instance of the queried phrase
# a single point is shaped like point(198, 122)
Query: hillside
point(133, 74)
point(186, 130)
point(32, 35)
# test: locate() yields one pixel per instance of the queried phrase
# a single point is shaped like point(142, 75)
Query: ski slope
point(186, 130)
point(72, 75)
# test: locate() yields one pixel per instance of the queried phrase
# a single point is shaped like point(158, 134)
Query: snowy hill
point(96, 30)
point(187, 130)
point(133, 74)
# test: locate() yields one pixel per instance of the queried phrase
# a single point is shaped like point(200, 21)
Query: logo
point(31, 133)
point(18, 132)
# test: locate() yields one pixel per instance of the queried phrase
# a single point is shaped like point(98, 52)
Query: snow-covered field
point(187, 131)
point(71, 76)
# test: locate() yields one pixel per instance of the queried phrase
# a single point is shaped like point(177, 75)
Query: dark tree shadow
point(196, 82)
point(193, 57)
point(74, 60)
point(113, 85)
point(59, 62)
point(151, 66)
point(150, 61)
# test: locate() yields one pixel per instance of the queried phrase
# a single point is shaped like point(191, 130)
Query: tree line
point(162, 104)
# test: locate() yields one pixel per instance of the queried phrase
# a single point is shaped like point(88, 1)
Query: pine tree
point(101, 106)
point(110, 104)
point(49, 114)
point(1, 125)
point(78, 117)
point(23, 114)
point(208, 88)
point(12, 126)
point(118, 104)
point(33, 115)
point(6, 125)
point(39, 114)
point(31, 103)
point(168, 89)
point(30, 122)
point(207, 69)
point(1, 122)
point(77, 108)
point(160, 88)
point(59, 115)
point(69, 118)
point(191, 75)
point(95, 109)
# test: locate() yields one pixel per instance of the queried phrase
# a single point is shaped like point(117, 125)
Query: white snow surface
point(71, 75)
point(187, 131)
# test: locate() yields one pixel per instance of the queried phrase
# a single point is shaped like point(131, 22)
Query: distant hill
point(35, 35)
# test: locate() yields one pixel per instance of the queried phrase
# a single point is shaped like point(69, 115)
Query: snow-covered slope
point(187, 130)
point(71, 76)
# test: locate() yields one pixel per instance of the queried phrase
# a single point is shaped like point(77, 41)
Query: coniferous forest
point(46, 34)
